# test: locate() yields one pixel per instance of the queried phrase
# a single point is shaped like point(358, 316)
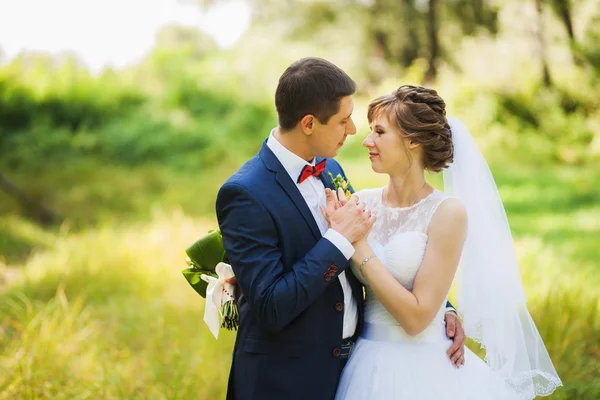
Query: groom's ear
point(307, 124)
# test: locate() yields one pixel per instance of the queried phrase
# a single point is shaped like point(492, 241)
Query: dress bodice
point(399, 238)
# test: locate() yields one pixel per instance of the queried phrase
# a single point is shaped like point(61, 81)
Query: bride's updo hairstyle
point(419, 114)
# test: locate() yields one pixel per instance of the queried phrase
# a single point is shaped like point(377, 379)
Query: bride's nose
point(368, 142)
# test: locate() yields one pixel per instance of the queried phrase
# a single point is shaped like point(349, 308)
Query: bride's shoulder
point(450, 212)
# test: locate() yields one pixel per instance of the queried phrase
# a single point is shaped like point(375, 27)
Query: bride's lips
point(373, 155)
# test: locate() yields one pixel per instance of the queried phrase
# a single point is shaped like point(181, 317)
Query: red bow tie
point(309, 170)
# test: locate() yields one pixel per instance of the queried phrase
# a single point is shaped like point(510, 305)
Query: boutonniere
point(340, 182)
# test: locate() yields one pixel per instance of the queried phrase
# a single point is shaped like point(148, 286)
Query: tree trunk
point(410, 50)
point(565, 16)
point(547, 79)
point(434, 46)
point(38, 211)
point(562, 8)
point(380, 52)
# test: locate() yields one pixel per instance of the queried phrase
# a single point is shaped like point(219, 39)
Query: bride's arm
point(415, 310)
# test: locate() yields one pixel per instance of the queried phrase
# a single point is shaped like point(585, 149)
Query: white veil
point(491, 299)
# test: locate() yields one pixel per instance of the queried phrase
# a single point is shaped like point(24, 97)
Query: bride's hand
point(372, 215)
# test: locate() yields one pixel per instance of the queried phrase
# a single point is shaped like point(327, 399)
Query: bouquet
point(208, 273)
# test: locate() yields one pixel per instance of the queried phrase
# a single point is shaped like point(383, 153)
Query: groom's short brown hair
point(311, 86)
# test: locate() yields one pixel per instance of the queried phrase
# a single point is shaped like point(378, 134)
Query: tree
point(40, 213)
point(434, 47)
point(399, 32)
point(540, 35)
point(563, 10)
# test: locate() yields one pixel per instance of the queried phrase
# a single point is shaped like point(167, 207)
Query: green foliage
point(20, 238)
point(590, 48)
point(37, 88)
point(85, 194)
point(559, 117)
point(185, 127)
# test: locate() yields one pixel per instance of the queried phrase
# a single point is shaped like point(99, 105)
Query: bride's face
point(388, 150)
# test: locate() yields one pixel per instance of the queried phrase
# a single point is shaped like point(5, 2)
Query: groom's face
point(327, 139)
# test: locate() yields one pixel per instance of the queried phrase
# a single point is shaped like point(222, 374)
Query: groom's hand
point(332, 204)
point(351, 220)
point(455, 331)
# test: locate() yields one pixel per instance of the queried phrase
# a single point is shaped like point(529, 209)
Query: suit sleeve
point(251, 241)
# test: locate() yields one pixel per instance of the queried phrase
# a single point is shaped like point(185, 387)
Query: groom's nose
point(350, 127)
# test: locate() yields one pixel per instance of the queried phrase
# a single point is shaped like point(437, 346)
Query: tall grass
point(107, 314)
point(103, 311)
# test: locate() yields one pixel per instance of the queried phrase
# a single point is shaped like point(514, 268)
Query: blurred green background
point(107, 175)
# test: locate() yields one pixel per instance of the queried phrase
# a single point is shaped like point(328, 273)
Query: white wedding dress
point(387, 363)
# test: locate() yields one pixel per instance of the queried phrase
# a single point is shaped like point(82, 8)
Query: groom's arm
point(251, 243)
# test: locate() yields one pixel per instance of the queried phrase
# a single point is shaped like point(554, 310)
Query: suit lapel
point(289, 187)
point(325, 175)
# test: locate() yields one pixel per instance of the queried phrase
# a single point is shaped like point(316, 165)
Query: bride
point(409, 259)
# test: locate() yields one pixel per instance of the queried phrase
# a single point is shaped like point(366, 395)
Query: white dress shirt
point(313, 192)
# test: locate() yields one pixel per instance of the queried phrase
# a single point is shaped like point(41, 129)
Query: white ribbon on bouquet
point(218, 293)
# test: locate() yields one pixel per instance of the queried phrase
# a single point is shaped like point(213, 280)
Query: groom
point(300, 305)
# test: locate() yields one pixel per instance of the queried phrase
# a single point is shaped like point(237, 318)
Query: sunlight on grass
point(108, 314)
point(104, 312)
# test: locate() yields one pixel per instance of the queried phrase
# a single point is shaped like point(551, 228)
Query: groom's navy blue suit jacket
point(291, 306)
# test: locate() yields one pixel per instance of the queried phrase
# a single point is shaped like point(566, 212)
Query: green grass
point(107, 314)
point(101, 309)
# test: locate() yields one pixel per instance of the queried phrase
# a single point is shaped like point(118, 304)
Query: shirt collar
point(292, 163)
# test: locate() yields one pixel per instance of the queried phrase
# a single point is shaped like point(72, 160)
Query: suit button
point(328, 278)
point(334, 268)
point(336, 352)
point(339, 307)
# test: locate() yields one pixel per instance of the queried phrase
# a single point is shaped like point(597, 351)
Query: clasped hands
point(348, 217)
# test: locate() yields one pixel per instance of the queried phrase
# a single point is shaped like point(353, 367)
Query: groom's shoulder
point(248, 175)
point(334, 165)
